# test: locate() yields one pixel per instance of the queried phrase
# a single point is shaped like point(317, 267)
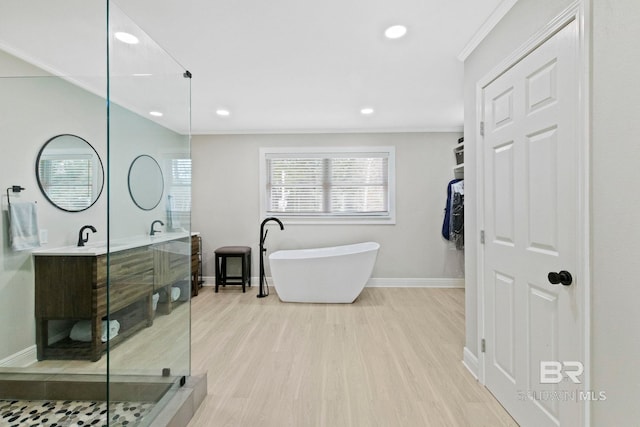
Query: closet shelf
point(458, 152)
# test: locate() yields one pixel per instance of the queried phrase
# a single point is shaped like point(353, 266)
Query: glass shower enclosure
point(96, 249)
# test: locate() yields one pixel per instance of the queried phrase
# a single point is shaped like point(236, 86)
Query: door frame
point(578, 11)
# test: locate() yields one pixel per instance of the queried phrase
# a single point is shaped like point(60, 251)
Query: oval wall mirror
point(69, 173)
point(146, 183)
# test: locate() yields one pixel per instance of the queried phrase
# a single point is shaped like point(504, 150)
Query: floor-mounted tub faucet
point(153, 230)
point(83, 240)
point(263, 237)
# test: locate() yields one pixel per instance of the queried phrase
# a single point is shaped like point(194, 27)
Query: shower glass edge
point(149, 96)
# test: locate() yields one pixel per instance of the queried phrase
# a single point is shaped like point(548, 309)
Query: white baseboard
point(470, 361)
point(21, 359)
point(417, 282)
point(382, 282)
point(29, 355)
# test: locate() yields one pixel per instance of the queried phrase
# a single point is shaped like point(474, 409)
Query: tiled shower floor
point(71, 413)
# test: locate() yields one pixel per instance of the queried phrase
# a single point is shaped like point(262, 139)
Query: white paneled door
point(533, 313)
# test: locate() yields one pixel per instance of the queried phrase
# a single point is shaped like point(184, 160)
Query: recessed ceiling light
point(395, 32)
point(222, 112)
point(366, 111)
point(142, 74)
point(126, 38)
point(156, 113)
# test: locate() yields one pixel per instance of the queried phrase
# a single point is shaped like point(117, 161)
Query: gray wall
point(614, 151)
point(615, 234)
point(226, 201)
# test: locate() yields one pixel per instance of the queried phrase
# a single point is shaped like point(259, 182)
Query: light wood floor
point(393, 358)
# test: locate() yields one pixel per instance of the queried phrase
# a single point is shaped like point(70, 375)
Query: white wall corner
point(21, 359)
point(470, 361)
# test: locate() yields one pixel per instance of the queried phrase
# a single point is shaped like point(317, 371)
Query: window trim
point(325, 218)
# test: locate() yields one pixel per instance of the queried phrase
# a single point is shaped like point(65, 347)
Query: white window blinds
point(330, 184)
point(180, 185)
point(359, 185)
point(69, 180)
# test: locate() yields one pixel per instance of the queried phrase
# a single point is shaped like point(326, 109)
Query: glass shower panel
point(74, 115)
point(53, 81)
point(150, 241)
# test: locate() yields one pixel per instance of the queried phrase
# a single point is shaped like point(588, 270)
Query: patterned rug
point(71, 413)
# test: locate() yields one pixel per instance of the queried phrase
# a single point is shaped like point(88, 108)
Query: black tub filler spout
point(263, 237)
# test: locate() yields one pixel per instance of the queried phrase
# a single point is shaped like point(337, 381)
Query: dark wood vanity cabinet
point(74, 287)
point(71, 287)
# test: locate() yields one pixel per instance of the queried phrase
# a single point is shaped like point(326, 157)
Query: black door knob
point(563, 277)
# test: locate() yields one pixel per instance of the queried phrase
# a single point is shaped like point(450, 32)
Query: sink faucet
point(153, 230)
point(81, 240)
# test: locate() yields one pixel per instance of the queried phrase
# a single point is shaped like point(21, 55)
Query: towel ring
point(14, 189)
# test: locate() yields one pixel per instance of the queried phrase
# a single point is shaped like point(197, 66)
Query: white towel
point(23, 226)
point(175, 293)
point(81, 330)
point(114, 328)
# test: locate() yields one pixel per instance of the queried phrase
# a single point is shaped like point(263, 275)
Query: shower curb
point(184, 403)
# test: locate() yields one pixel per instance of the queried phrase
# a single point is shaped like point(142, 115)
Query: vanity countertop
point(100, 247)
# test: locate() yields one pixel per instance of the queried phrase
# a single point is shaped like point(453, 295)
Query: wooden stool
point(242, 252)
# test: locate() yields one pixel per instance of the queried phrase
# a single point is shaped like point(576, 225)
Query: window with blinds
point(180, 185)
point(345, 183)
point(69, 180)
point(179, 193)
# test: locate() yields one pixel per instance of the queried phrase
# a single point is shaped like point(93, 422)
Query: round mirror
point(146, 183)
point(70, 173)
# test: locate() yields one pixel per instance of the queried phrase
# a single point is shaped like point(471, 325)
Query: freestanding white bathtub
point(324, 275)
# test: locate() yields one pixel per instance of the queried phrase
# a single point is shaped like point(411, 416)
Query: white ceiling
point(304, 66)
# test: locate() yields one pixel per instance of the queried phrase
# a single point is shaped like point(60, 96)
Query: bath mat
point(71, 413)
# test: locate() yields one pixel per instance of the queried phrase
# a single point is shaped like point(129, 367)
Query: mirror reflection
point(146, 182)
point(69, 173)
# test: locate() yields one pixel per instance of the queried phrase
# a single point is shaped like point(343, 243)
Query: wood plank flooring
point(393, 358)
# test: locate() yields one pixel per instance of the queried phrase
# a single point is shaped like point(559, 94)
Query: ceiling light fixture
point(222, 112)
point(142, 74)
point(366, 111)
point(156, 113)
point(395, 32)
point(126, 38)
